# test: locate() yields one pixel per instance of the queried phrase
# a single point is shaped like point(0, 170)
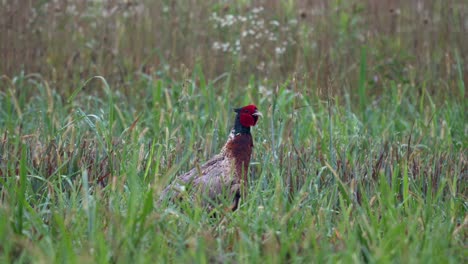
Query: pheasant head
point(247, 117)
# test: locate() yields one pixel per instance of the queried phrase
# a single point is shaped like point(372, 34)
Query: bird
point(222, 179)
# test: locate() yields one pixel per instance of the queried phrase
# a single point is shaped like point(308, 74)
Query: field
point(361, 155)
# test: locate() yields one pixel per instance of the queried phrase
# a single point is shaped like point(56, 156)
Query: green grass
point(361, 155)
point(326, 185)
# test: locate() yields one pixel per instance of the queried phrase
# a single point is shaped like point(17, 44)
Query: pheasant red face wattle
point(248, 115)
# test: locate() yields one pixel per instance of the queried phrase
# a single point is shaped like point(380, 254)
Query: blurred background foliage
point(314, 42)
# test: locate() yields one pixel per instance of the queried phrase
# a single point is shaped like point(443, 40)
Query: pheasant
point(223, 177)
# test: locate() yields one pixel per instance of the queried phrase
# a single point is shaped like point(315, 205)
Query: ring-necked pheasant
point(224, 177)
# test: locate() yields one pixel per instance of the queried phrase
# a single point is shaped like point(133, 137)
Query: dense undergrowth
point(361, 155)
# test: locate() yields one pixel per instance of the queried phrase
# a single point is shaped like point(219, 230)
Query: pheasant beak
point(257, 113)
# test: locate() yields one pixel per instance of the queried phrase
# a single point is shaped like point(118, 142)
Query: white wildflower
point(71, 10)
point(272, 37)
point(228, 20)
point(260, 23)
point(216, 45)
point(257, 10)
point(280, 50)
point(225, 46)
point(274, 23)
point(261, 67)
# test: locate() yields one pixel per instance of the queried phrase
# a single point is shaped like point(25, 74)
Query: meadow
point(361, 155)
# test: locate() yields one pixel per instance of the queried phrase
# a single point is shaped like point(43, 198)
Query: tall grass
point(82, 188)
point(361, 155)
point(67, 42)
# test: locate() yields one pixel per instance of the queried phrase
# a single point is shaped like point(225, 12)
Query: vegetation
point(361, 155)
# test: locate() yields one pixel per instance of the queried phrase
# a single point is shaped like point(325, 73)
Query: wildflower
point(272, 37)
point(257, 10)
point(293, 21)
point(216, 45)
point(225, 46)
point(228, 20)
point(280, 50)
point(274, 23)
point(260, 23)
